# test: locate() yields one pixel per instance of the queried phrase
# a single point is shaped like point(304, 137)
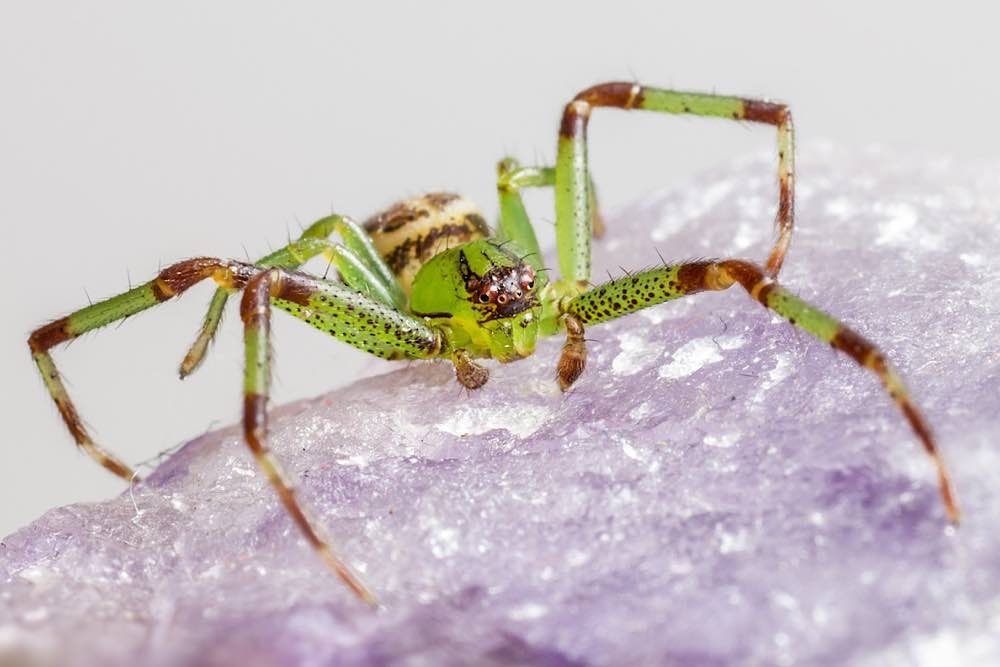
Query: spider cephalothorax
point(427, 279)
point(477, 292)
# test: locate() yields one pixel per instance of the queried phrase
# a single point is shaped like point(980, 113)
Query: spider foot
point(468, 373)
point(573, 359)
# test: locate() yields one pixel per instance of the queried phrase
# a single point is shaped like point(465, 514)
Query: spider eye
point(530, 284)
point(483, 298)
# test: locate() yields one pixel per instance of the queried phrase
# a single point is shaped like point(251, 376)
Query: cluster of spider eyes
point(493, 293)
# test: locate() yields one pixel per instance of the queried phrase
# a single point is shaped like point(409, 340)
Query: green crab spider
point(426, 279)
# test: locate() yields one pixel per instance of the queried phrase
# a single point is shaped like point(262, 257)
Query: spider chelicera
point(427, 279)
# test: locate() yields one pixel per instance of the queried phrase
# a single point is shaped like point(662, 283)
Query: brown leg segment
point(573, 359)
point(468, 373)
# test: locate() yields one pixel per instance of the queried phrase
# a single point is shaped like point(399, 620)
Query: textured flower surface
point(718, 488)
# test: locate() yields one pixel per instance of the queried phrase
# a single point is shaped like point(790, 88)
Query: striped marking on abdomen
point(412, 231)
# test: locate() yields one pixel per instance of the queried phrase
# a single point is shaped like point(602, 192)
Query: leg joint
point(623, 94)
point(506, 168)
point(49, 336)
point(574, 119)
point(763, 111)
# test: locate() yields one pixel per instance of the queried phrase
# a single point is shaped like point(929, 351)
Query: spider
point(427, 279)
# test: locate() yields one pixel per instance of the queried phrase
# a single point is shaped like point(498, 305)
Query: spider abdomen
point(410, 232)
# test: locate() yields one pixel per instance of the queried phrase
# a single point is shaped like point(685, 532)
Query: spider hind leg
point(574, 191)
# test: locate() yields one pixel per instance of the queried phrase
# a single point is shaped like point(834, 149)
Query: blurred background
point(134, 135)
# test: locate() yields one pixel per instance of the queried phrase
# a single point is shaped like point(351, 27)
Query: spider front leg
point(170, 282)
point(357, 261)
point(573, 196)
point(647, 288)
point(348, 315)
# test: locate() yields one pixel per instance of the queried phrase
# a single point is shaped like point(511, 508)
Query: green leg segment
point(171, 281)
point(573, 198)
point(358, 320)
point(514, 222)
point(642, 290)
point(357, 260)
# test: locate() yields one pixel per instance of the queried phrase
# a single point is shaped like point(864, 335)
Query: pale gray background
point(134, 135)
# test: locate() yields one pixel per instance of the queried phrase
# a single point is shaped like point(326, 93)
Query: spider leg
point(170, 282)
point(573, 358)
point(514, 222)
point(364, 322)
point(357, 242)
point(255, 311)
point(572, 171)
point(647, 288)
point(357, 260)
point(361, 320)
point(468, 373)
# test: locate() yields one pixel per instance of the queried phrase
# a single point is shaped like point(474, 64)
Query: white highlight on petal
point(521, 422)
point(528, 611)
point(974, 259)
point(637, 353)
point(782, 369)
point(722, 440)
point(698, 353)
point(902, 218)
